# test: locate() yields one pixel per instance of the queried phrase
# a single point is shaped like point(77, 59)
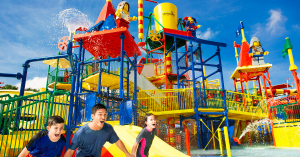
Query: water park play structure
point(169, 82)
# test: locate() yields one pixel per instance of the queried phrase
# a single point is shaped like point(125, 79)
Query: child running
point(145, 137)
point(48, 143)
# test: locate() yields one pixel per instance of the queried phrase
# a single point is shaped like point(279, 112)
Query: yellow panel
point(128, 134)
point(287, 136)
point(258, 68)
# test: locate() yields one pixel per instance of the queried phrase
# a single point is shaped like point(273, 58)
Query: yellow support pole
point(292, 63)
point(220, 141)
point(227, 141)
point(243, 35)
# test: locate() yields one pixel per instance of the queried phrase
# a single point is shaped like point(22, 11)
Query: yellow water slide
point(128, 134)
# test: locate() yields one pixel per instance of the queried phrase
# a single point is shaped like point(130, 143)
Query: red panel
point(108, 43)
point(106, 10)
point(245, 60)
point(173, 31)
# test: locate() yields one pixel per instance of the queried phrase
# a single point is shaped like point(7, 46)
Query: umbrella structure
point(62, 63)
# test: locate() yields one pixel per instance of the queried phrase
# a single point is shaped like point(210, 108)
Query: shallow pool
point(252, 151)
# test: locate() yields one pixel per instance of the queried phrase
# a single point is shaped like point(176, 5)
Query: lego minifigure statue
point(257, 52)
point(191, 26)
point(122, 15)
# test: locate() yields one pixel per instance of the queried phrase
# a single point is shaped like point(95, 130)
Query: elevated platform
point(108, 43)
point(235, 115)
point(252, 71)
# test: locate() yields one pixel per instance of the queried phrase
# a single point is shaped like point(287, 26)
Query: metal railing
point(22, 117)
point(181, 99)
point(287, 113)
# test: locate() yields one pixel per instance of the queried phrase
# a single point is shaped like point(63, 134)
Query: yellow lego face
point(126, 7)
point(191, 20)
point(256, 43)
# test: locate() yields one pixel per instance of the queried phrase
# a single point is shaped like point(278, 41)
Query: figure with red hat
point(190, 24)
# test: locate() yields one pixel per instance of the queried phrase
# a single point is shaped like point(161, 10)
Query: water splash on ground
point(253, 126)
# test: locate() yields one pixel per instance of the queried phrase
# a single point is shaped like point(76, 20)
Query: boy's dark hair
point(146, 117)
point(97, 107)
point(55, 120)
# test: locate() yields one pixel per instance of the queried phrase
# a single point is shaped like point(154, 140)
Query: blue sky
point(28, 30)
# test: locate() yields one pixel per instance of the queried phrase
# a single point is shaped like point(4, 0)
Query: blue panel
point(90, 102)
point(109, 23)
point(126, 117)
point(96, 27)
point(197, 40)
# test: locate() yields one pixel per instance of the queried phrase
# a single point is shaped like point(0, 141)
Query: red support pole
point(187, 140)
point(269, 110)
point(260, 91)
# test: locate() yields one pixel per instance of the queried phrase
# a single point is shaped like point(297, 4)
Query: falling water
point(73, 19)
point(253, 126)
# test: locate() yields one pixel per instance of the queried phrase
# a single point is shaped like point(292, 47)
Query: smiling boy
point(90, 138)
point(48, 143)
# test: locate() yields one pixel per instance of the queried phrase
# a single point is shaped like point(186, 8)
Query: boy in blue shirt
point(48, 143)
point(90, 138)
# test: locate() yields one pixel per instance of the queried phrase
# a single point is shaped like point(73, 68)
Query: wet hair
point(146, 117)
point(97, 107)
point(55, 120)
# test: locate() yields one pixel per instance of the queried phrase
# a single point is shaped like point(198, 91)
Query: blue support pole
point(177, 70)
point(72, 93)
point(208, 137)
point(77, 82)
point(108, 71)
point(18, 75)
point(135, 89)
point(203, 77)
point(195, 96)
point(99, 79)
point(223, 89)
point(81, 70)
point(122, 37)
point(128, 72)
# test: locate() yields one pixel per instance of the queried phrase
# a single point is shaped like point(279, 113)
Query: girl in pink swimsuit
point(144, 139)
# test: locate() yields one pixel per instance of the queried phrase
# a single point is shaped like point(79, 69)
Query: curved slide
point(128, 134)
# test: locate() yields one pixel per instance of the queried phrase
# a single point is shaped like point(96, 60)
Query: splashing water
point(73, 19)
point(253, 126)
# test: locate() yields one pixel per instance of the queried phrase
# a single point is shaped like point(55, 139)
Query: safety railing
point(287, 113)
point(165, 100)
point(5, 97)
point(22, 117)
point(246, 103)
point(180, 99)
point(63, 76)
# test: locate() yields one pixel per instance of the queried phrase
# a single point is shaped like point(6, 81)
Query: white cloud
point(208, 34)
point(296, 27)
point(276, 22)
point(35, 83)
point(274, 26)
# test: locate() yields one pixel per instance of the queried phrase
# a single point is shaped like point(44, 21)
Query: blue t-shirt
point(90, 142)
point(40, 145)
